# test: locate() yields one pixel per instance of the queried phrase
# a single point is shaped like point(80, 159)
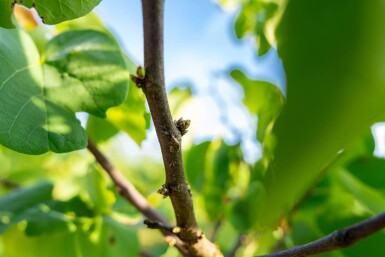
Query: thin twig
point(168, 134)
point(8, 184)
point(238, 244)
point(154, 224)
point(337, 240)
point(215, 231)
point(129, 192)
point(146, 254)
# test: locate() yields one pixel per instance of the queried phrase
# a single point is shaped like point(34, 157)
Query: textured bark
point(337, 240)
point(168, 134)
point(129, 192)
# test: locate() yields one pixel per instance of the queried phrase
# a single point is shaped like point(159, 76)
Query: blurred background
point(223, 73)
point(201, 49)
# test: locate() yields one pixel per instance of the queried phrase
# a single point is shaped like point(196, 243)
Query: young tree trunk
point(168, 134)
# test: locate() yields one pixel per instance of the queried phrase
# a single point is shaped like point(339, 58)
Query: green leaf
point(101, 198)
point(261, 98)
point(244, 211)
point(24, 198)
point(6, 7)
point(14, 205)
point(83, 71)
point(178, 98)
point(130, 116)
point(219, 158)
point(51, 11)
point(88, 64)
point(255, 19)
point(90, 21)
point(118, 238)
point(45, 221)
point(99, 129)
point(195, 160)
point(332, 52)
point(373, 200)
point(370, 171)
point(30, 122)
point(98, 237)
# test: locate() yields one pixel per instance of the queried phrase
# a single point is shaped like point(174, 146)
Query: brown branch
point(168, 134)
point(337, 240)
point(154, 224)
point(129, 192)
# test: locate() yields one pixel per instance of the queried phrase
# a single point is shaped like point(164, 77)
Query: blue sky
point(199, 45)
point(197, 34)
point(200, 49)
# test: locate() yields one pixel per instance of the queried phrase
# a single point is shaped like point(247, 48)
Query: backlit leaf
point(331, 96)
point(83, 71)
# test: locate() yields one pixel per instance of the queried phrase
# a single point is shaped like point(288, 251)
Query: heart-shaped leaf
point(83, 71)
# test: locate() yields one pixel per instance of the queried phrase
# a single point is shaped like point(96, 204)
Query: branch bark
point(129, 192)
point(337, 240)
point(168, 134)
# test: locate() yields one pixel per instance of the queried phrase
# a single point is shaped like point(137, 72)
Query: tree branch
point(129, 192)
point(238, 244)
point(336, 240)
point(168, 134)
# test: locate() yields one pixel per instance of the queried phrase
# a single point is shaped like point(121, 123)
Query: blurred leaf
point(24, 198)
point(244, 211)
point(131, 116)
point(370, 198)
point(97, 237)
point(338, 200)
point(41, 36)
point(247, 19)
point(51, 12)
point(321, 45)
point(217, 176)
point(6, 17)
point(45, 221)
point(75, 206)
point(370, 171)
point(101, 197)
point(178, 97)
point(99, 129)
point(195, 159)
point(90, 21)
point(254, 19)
point(17, 205)
point(117, 238)
point(261, 98)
